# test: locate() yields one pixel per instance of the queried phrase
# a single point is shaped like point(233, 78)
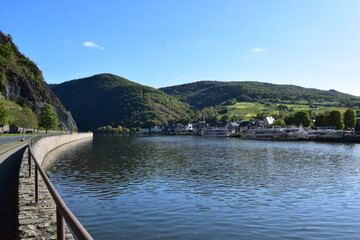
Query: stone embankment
point(38, 220)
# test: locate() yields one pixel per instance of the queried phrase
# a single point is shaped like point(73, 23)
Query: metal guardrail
point(62, 211)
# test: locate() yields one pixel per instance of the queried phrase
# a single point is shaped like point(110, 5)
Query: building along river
point(191, 187)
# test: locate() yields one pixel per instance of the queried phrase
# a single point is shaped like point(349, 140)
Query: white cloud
point(258, 50)
point(92, 44)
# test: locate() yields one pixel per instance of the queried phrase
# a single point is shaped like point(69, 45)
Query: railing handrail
point(62, 209)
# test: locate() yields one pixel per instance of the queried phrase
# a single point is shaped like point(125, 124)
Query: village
point(259, 130)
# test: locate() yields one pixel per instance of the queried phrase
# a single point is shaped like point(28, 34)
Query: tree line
point(333, 119)
point(13, 114)
point(117, 130)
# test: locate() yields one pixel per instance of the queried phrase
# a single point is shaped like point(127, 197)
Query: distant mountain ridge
point(211, 93)
point(107, 99)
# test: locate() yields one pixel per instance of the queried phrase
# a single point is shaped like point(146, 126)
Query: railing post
point(29, 159)
point(36, 185)
point(60, 225)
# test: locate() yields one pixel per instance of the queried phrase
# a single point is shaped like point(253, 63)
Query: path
point(10, 159)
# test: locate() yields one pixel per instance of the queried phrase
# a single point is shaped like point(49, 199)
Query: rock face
point(21, 81)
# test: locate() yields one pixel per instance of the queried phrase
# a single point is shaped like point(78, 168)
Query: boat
point(261, 134)
point(215, 132)
point(286, 133)
point(332, 135)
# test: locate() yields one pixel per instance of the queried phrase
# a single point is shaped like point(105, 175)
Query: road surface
point(10, 139)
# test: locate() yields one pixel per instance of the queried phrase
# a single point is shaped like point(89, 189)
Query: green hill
point(107, 99)
point(211, 93)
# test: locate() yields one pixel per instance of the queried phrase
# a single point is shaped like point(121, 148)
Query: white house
point(269, 121)
point(184, 128)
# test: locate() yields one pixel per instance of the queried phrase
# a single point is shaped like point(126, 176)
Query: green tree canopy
point(349, 118)
point(279, 123)
point(225, 118)
point(23, 117)
point(47, 117)
point(303, 118)
point(320, 120)
point(4, 114)
point(291, 120)
point(335, 119)
point(234, 118)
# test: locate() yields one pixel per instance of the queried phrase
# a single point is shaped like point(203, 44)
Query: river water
point(191, 187)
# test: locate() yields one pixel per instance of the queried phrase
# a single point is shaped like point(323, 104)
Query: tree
point(303, 118)
point(234, 118)
point(279, 122)
point(291, 120)
point(327, 120)
point(213, 118)
point(282, 107)
point(132, 130)
point(4, 114)
point(320, 120)
point(24, 117)
point(225, 118)
point(335, 119)
point(47, 117)
point(349, 118)
point(149, 124)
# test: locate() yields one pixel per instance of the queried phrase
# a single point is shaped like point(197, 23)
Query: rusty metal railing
point(62, 211)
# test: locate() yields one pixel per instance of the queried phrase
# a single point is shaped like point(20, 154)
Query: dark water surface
point(185, 187)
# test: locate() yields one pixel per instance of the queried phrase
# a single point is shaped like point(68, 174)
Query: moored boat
point(287, 133)
point(216, 132)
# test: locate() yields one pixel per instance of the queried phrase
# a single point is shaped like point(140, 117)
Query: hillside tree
point(4, 114)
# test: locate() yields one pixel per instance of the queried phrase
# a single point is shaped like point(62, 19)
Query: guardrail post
point(36, 185)
point(29, 159)
point(60, 225)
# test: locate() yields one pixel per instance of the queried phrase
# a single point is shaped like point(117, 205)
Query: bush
point(6, 51)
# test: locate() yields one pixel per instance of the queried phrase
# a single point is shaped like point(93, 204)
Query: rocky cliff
point(22, 81)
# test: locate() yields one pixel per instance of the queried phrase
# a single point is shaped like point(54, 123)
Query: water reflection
point(207, 188)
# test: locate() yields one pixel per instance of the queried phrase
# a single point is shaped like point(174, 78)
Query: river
point(191, 187)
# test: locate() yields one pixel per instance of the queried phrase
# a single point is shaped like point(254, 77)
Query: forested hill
point(107, 99)
point(210, 93)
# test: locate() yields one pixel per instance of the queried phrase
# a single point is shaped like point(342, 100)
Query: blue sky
point(310, 43)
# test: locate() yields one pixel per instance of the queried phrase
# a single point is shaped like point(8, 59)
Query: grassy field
point(247, 110)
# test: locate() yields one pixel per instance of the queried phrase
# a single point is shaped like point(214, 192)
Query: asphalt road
point(10, 139)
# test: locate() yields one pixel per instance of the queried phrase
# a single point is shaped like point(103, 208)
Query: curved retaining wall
point(38, 220)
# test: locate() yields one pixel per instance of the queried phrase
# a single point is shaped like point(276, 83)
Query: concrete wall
point(38, 220)
point(43, 146)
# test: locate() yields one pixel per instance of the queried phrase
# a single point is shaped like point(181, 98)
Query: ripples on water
point(187, 187)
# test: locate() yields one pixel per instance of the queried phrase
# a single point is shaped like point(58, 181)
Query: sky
point(159, 43)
